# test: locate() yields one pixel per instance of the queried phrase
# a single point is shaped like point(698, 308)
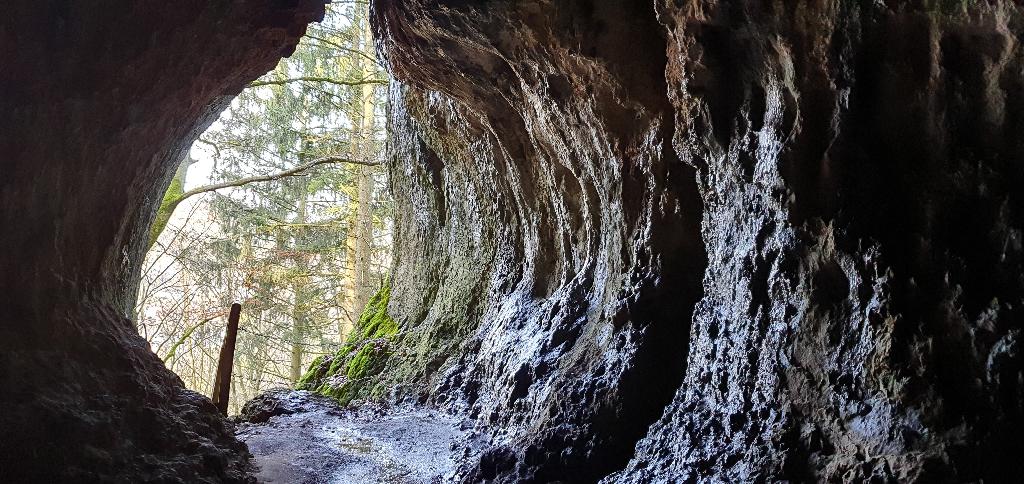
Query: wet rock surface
point(313, 440)
point(548, 242)
point(858, 165)
point(712, 240)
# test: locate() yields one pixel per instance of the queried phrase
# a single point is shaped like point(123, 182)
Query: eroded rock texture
point(98, 101)
point(549, 254)
point(666, 241)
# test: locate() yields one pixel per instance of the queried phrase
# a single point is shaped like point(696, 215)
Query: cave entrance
point(281, 205)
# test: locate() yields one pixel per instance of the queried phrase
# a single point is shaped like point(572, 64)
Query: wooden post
point(222, 381)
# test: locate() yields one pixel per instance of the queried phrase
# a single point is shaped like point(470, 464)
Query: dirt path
point(312, 440)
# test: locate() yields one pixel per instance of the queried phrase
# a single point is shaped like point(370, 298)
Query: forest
point(283, 206)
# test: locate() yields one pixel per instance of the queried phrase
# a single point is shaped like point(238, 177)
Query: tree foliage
point(291, 182)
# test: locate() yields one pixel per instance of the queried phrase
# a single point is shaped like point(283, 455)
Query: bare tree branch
point(274, 176)
point(298, 170)
point(327, 80)
point(186, 335)
point(343, 48)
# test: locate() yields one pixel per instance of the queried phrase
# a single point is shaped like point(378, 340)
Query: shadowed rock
point(99, 100)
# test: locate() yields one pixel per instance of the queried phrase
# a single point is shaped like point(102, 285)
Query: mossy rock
point(172, 197)
point(348, 373)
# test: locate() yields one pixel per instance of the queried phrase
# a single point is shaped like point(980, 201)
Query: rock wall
point(99, 100)
point(548, 242)
point(665, 241)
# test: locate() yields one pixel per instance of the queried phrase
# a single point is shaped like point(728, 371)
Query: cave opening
point(632, 242)
point(283, 206)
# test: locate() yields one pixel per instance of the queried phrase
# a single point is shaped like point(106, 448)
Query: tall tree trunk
point(300, 313)
point(360, 238)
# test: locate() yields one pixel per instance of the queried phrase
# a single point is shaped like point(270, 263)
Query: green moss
point(375, 321)
point(310, 372)
point(357, 367)
point(163, 215)
point(348, 374)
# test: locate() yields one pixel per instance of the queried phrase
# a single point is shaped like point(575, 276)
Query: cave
point(636, 241)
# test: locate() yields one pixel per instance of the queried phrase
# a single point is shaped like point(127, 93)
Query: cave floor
point(316, 441)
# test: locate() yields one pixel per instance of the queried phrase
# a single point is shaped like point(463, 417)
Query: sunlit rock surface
point(717, 241)
point(98, 100)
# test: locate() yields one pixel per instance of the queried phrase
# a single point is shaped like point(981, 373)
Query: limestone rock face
point(549, 253)
point(99, 99)
point(663, 241)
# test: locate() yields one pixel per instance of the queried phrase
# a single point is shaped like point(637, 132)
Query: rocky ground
point(298, 437)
